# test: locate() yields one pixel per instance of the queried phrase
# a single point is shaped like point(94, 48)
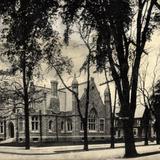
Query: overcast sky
point(77, 51)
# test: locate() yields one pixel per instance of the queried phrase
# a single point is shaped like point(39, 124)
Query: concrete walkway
point(98, 151)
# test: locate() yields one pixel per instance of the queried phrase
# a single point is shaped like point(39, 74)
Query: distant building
point(56, 118)
point(138, 127)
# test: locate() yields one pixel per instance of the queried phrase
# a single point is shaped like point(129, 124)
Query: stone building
point(56, 117)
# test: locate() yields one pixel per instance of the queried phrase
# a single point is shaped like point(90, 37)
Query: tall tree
point(112, 105)
point(154, 98)
point(148, 96)
point(88, 41)
point(27, 34)
point(112, 20)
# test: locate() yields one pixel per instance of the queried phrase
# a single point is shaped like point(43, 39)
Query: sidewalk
point(98, 151)
point(54, 149)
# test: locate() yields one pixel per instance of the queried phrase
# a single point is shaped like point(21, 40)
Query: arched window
point(62, 126)
point(101, 125)
point(50, 126)
point(92, 120)
point(21, 124)
point(69, 125)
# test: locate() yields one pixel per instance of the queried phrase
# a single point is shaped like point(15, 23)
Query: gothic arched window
point(92, 120)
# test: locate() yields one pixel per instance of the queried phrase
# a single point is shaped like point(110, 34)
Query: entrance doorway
point(11, 130)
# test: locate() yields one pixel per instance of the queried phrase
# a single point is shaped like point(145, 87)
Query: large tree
point(148, 96)
point(121, 25)
point(88, 41)
point(155, 102)
point(28, 34)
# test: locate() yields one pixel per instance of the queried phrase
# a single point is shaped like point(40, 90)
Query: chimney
point(54, 100)
point(54, 88)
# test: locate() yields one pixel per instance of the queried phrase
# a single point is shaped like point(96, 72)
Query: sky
point(78, 52)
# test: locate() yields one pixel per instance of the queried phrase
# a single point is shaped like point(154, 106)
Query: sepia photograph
point(79, 79)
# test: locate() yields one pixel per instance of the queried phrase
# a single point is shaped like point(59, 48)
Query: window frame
point(35, 123)
point(62, 126)
point(92, 121)
point(51, 124)
point(81, 127)
point(1, 127)
point(20, 123)
point(69, 125)
point(102, 119)
point(92, 124)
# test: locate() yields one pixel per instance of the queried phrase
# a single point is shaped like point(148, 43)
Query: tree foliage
point(30, 41)
point(123, 28)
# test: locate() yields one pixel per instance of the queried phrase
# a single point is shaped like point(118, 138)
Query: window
point(62, 126)
point(101, 125)
point(92, 124)
point(138, 122)
point(69, 125)
point(135, 131)
point(92, 120)
point(119, 133)
point(81, 127)
point(50, 126)
point(116, 123)
point(35, 123)
point(20, 124)
point(1, 127)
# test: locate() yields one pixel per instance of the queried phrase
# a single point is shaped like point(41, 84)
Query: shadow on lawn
point(81, 150)
point(147, 154)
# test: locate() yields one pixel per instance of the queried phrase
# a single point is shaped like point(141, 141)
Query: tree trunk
point(112, 132)
point(130, 149)
point(40, 125)
point(113, 118)
point(26, 104)
point(5, 128)
point(87, 105)
point(146, 129)
point(112, 138)
point(157, 132)
point(158, 137)
point(27, 134)
point(85, 136)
